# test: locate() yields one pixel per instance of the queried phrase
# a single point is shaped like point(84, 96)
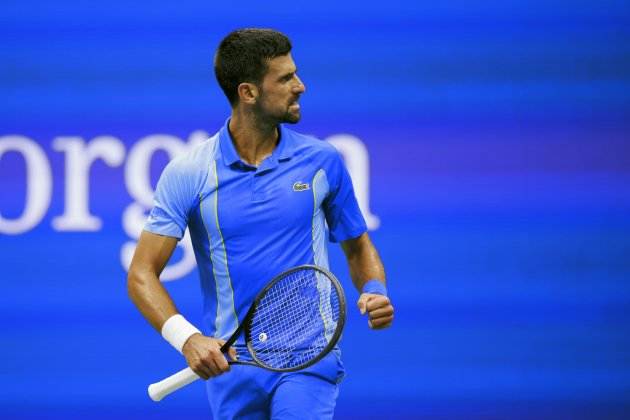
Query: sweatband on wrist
point(375, 287)
point(177, 330)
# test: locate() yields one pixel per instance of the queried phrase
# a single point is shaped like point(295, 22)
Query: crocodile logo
point(300, 186)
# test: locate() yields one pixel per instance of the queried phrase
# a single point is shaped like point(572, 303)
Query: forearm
point(203, 354)
point(363, 260)
point(368, 276)
point(150, 297)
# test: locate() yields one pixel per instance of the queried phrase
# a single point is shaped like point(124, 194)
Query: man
point(255, 198)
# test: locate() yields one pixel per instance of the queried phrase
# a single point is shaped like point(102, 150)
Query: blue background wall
point(499, 142)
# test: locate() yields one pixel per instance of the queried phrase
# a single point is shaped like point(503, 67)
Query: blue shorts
point(250, 392)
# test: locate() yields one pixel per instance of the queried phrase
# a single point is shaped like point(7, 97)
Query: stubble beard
point(291, 118)
point(288, 116)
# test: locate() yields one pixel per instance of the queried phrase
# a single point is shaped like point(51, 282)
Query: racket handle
point(161, 389)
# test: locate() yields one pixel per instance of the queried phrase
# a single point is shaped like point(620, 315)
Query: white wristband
point(176, 330)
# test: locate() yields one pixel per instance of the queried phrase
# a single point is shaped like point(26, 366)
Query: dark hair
point(242, 57)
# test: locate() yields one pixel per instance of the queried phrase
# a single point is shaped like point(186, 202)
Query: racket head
point(296, 319)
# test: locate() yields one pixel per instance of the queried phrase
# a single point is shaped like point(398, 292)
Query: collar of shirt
point(283, 151)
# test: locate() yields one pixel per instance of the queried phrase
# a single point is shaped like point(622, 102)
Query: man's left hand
point(378, 308)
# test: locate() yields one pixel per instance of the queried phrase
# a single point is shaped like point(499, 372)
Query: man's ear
point(247, 93)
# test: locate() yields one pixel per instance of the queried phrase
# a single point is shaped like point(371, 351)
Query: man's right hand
point(204, 356)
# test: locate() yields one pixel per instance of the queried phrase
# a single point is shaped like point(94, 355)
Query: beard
point(288, 115)
point(291, 117)
point(278, 116)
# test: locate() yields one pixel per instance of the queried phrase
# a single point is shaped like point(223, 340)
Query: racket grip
point(161, 389)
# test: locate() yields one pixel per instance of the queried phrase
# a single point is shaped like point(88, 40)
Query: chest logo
point(300, 186)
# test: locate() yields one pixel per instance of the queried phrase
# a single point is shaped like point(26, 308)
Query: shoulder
point(311, 146)
point(190, 169)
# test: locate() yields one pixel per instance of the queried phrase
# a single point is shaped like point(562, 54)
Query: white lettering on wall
point(357, 161)
point(79, 158)
point(38, 184)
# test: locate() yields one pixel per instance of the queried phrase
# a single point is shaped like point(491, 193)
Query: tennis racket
point(292, 324)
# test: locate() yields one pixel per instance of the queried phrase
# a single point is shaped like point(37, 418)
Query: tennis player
point(258, 198)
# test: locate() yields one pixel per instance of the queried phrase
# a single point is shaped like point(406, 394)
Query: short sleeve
point(172, 202)
point(343, 214)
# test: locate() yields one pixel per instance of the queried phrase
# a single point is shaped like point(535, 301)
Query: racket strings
point(295, 320)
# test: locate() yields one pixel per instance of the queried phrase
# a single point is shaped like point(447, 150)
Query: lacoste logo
point(300, 186)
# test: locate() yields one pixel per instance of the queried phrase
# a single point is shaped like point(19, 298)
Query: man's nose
point(299, 87)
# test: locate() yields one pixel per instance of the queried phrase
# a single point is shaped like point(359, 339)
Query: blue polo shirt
point(247, 223)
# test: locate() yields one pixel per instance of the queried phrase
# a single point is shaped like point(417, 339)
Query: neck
point(253, 138)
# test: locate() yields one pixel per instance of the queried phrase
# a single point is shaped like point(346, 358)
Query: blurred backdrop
point(490, 141)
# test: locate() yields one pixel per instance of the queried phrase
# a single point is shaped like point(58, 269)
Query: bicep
point(152, 253)
point(355, 246)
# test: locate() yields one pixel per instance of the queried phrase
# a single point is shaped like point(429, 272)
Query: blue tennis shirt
point(247, 223)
